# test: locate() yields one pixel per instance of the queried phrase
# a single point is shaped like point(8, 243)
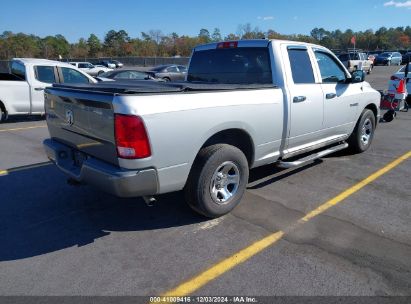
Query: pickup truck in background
point(356, 60)
point(245, 104)
point(22, 91)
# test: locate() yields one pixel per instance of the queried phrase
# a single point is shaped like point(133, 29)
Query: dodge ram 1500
point(244, 104)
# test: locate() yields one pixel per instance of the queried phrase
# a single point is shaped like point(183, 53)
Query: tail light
point(393, 77)
point(227, 45)
point(131, 137)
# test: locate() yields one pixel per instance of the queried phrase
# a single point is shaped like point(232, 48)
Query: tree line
point(156, 44)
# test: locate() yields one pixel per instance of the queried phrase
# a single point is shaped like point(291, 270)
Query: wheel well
point(374, 109)
point(237, 138)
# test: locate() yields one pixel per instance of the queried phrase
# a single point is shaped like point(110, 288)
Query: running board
point(309, 158)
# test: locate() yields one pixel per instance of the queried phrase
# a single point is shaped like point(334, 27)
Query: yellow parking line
point(243, 255)
point(16, 169)
point(23, 128)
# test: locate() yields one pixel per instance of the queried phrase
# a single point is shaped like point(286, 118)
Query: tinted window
point(344, 57)
point(231, 66)
point(301, 66)
point(18, 69)
point(45, 74)
point(73, 76)
point(330, 70)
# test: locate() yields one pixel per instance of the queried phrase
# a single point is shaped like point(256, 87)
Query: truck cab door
point(340, 97)
point(44, 76)
point(305, 118)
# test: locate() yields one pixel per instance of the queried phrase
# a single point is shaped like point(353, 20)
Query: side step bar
point(309, 158)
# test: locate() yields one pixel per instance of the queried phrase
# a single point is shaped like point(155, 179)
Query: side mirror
point(357, 76)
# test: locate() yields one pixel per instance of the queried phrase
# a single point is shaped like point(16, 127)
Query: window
point(84, 65)
point(131, 75)
point(18, 69)
point(301, 67)
point(242, 65)
point(172, 69)
point(182, 68)
point(45, 74)
point(73, 76)
point(331, 71)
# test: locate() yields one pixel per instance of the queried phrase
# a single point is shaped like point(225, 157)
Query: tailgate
point(82, 120)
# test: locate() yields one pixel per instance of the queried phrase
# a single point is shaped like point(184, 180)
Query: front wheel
point(3, 115)
point(363, 134)
point(217, 180)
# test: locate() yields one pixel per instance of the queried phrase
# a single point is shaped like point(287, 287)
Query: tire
point(3, 114)
point(166, 79)
point(208, 190)
point(99, 73)
point(361, 138)
point(389, 116)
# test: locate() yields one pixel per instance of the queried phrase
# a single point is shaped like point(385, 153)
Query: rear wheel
point(166, 79)
point(99, 73)
point(363, 134)
point(217, 180)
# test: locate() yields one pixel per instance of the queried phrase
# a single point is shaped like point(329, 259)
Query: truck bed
point(151, 87)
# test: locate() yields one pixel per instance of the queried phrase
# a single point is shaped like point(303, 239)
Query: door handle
point(39, 89)
point(299, 99)
point(330, 95)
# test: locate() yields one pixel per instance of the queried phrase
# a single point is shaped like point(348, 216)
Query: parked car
point(395, 79)
point(22, 91)
point(169, 72)
point(245, 104)
point(406, 58)
point(91, 69)
point(108, 64)
point(388, 58)
point(126, 75)
point(112, 64)
point(117, 63)
point(356, 60)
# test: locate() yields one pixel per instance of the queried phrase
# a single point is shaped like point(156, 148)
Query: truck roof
point(253, 43)
point(32, 61)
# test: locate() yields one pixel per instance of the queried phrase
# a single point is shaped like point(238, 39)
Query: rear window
point(247, 65)
point(18, 69)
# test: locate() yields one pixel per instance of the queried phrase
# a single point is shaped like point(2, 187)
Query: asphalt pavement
point(56, 239)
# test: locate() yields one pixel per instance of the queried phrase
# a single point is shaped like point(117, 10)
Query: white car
point(22, 90)
point(395, 79)
point(93, 70)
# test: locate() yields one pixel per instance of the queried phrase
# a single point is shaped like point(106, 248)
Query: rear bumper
point(109, 178)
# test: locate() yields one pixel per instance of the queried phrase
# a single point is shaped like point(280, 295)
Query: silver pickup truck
point(245, 104)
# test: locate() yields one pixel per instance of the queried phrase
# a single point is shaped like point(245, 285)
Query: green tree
point(216, 36)
point(94, 45)
point(204, 36)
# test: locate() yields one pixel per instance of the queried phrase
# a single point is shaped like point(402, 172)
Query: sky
point(76, 19)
